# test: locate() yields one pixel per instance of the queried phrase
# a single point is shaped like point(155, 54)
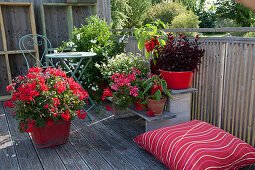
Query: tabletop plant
point(41, 98)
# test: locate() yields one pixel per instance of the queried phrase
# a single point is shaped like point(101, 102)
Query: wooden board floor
point(102, 143)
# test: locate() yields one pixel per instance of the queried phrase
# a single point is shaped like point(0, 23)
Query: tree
point(129, 13)
point(227, 9)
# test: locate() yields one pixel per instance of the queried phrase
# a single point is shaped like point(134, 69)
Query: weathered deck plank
point(106, 145)
point(129, 128)
point(96, 146)
point(88, 153)
point(7, 152)
point(133, 154)
point(25, 151)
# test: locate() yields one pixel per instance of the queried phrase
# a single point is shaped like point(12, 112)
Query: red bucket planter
point(177, 80)
point(56, 134)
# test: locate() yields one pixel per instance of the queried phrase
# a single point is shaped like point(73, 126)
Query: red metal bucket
point(56, 134)
point(177, 80)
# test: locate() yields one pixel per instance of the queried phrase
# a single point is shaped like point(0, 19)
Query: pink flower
point(133, 91)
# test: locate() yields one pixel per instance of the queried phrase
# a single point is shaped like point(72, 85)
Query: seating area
point(76, 93)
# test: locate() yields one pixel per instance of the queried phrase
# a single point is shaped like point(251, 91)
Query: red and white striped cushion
point(196, 145)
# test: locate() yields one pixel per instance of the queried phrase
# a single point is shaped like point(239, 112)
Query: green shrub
point(165, 12)
point(123, 63)
point(186, 20)
point(250, 34)
point(93, 37)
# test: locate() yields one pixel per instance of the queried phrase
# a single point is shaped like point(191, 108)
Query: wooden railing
point(225, 82)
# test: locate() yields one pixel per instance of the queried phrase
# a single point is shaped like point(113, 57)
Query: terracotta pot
point(56, 134)
point(139, 106)
point(177, 80)
point(155, 106)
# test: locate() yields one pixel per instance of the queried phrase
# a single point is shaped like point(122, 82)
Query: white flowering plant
point(123, 63)
point(94, 37)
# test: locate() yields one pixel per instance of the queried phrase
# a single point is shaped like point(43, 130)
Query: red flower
point(49, 123)
point(9, 104)
point(46, 106)
point(108, 108)
point(9, 88)
point(150, 113)
point(107, 93)
point(65, 116)
point(81, 114)
point(55, 115)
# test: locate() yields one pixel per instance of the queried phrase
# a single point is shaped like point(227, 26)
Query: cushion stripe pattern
point(197, 145)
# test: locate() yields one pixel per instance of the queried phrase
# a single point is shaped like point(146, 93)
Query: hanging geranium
point(43, 97)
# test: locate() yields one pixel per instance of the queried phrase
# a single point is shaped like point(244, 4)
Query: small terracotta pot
point(155, 106)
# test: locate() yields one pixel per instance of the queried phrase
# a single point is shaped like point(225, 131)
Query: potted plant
point(125, 90)
point(177, 60)
point(156, 92)
point(126, 63)
point(44, 102)
point(149, 36)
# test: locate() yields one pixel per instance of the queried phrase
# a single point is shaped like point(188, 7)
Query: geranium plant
point(179, 54)
point(43, 97)
point(155, 88)
point(125, 89)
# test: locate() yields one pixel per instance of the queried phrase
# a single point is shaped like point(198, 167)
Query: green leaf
point(161, 42)
point(141, 43)
point(164, 86)
point(147, 55)
point(169, 95)
point(157, 94)
point(147, 88)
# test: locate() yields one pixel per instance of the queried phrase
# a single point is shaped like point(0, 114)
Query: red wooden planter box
point(56, 134)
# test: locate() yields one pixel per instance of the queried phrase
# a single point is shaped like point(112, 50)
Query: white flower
point(74, 49)
point(97, 65)
point(78, 37)
point(93, 41)
point(92, 50)
point(70, 44)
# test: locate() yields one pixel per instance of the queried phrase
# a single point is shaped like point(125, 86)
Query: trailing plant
point(179, 54)
point(43, 97)
point(155, 87)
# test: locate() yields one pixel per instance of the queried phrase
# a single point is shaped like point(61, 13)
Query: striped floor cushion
point(196, 145)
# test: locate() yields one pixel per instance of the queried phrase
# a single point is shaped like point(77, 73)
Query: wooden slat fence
point(226, 85)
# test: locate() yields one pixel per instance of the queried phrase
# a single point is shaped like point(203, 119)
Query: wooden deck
point(103, 143)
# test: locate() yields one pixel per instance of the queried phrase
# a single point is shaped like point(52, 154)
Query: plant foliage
point(42, 97)
point(179, 54)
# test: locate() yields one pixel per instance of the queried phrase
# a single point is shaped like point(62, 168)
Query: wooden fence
point(15, 23)
point(225, 83)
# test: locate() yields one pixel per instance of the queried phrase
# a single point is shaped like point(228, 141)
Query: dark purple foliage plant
point(179, 54)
